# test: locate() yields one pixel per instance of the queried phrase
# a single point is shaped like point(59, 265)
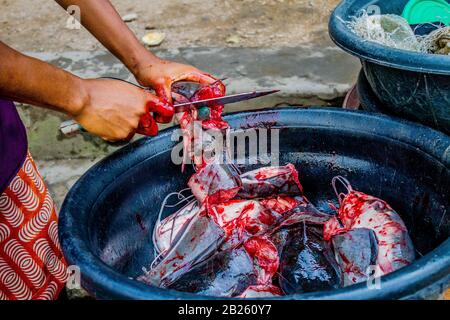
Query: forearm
point(103, 22)
point(28, 80)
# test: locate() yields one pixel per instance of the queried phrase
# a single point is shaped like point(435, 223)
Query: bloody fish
point(265, 258)
point(221, 182)
point(187, 119)
point(234, 271)
point(360, 210)
point(198, 241)
point(282, 204)
point(235, 217)
point(215, 183)
point(167, 230)
point(270, 181)
point(248, 216)
point(304, 211)
point(356, 252)
point(215, 90)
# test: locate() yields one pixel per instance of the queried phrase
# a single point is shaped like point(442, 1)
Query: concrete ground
point(41, 27)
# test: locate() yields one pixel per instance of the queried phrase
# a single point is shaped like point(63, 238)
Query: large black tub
point(107, 218)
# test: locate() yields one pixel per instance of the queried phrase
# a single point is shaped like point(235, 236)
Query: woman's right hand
point(116, 110)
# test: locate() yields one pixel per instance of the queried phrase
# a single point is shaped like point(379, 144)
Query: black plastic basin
point(107, 218)
point(409, 84)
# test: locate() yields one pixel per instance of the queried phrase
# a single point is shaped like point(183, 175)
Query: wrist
point(79, 98)
point(142, 66)
point(140, 59)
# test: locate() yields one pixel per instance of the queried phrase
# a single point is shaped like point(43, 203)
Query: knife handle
point(70, 128)
point(147, 127)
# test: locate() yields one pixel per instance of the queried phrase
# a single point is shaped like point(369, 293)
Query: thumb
point(147, 126)
point(162, 109)
point(164, 92)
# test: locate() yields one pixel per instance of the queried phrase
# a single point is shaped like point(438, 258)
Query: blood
point(140, 222)
point(186, 119)
point(265, 254)
point(214, 90)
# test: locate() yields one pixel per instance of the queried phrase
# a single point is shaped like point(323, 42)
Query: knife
point(71, 127)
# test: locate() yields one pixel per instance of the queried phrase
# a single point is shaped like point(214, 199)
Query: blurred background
point(256, 44)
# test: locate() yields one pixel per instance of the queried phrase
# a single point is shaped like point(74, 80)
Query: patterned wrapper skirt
point(31, 262)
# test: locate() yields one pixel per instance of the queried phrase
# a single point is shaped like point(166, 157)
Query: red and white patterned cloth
point(31, 262)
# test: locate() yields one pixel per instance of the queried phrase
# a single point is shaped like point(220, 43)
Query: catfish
point(307, 261)
point(226, 274)
point(196, 242)
point(356, 252)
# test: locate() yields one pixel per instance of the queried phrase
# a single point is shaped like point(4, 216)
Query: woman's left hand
point(160, 74)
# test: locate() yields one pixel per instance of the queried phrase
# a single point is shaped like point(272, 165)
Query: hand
point(161, 74)
point(115, 110)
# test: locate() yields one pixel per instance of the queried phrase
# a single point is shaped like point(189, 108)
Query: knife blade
point(233, 98)
point(71, 127)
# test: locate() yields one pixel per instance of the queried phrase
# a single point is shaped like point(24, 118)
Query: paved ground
point(41, 26)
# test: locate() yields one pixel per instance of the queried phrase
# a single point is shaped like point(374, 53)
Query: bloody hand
point(161, 110)
point(162, 74)
point(115, 110)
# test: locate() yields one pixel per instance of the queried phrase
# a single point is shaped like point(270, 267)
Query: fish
point(261, 291)
point(270, 181)
point(282, 204)
point(304, 212)
point(236, 217)
point(226, 274)
point(360, 210)
point(168, 229)
point(356, 253)
point(215, 183)
point(298, 232)
point(265, 258)
point(214, 90)
point(200, 239)
point(243, 216)
point(234, 271)
point(188, 118)
point(221, 182)
point(307, 263)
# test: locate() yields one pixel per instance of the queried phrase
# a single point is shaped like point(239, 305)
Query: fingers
point(147, 126)
point(165, 90)
point(198, 77)
point(161, 104)
point(163, 111)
